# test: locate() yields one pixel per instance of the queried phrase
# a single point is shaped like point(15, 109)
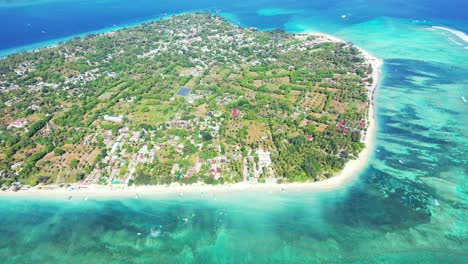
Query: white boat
point(436, 202)
point(463, 98)
point(401, 162)
point(155, 232)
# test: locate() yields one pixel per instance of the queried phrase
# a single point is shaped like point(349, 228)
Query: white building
point(20, 123)
point(113, 118)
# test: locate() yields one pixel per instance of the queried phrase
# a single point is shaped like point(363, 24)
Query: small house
point(16, 186)
point(113, 118)
point(363, 123)
point(235, 112)
point(20, 123)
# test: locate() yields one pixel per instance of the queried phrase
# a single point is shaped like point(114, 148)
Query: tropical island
point(191, 99)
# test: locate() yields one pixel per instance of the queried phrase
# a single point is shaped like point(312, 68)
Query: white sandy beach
point(346, 176)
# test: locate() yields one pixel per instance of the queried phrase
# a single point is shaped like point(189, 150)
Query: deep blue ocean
point(25, 22)
point(410, 205)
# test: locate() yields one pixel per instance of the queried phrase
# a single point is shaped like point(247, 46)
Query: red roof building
point(340, 124)
point(235, 112)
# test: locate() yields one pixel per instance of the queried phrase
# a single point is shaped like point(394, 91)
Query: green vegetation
point(107, 109)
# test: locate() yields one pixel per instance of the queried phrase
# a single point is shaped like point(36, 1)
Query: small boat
point(463, 98)
point(401, 162)
point(155, 232)
point(69, 197)
point(436, 202)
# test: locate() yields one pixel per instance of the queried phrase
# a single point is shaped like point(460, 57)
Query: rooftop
point(183, 91)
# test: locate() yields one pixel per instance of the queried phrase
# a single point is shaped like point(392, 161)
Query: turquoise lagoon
point(409, 205)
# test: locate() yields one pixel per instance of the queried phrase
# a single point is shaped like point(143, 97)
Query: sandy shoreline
point(347, 175)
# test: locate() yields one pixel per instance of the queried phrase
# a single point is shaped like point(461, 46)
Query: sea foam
point(457, 33)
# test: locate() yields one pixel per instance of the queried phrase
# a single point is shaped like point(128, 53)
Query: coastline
point(57, 41)
point(348, 174)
